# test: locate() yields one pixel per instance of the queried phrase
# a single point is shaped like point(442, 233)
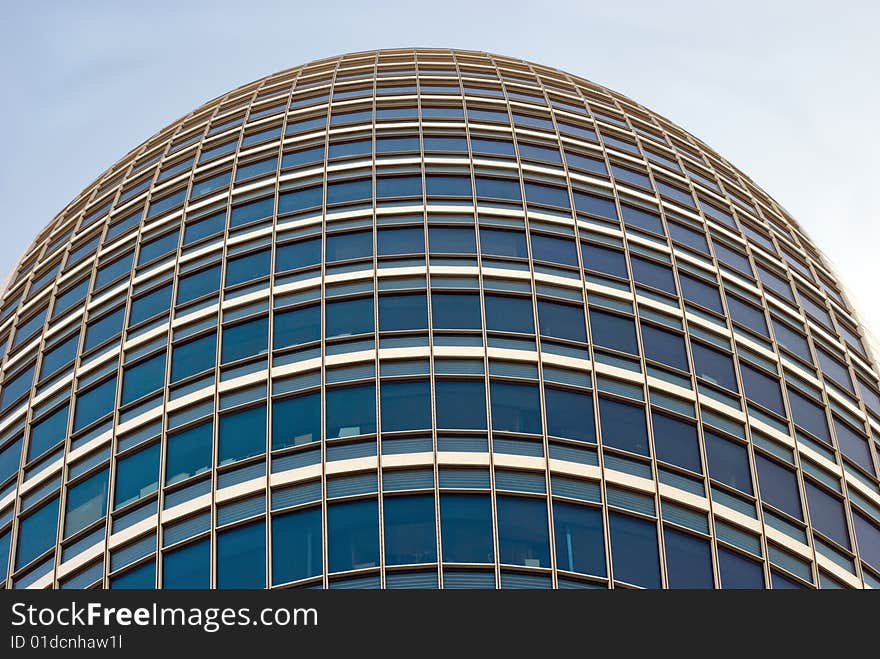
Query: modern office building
point(432, 318)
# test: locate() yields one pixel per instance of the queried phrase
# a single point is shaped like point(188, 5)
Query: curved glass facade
point(422, 318)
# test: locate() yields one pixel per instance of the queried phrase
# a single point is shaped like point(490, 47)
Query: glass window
point(254, 169)
point(689, 237)
point(461, 404)
point(851, 443)
point(246, 268)
point(747, 315)
point(297, 546)
point(699, 292)
point(149, 305)
point(737, 571)
point(498, 188)
point(466, 528)
point(555, 250)
point(495, 147)
point(245, 339)
point(305, 156)
point(398, 186)
point(193, 356)
point(762, 389)
point(202, 228)
point(406, 405)
point(406, 240)
point(349, 317)
point(113, 271)
point(351, 411)
point(580, 542)
point(296, 420)
point(539, 152)
point(450, 186)
point(10, 461)
point(713, 366)
point(199, 284)
point(653, 274)
point(353, 535)
point(612, 331)
point(86, 502)
point(623, 425)
point(562, 321)
point(502, 242)
point(516, 407)
point(298, 200)
point(403, 312)
point(300, 254)
point(827, 514)
point(37, 532)
point(452, 240)
point(252, 211)
point(791, 340)
point(410, 529)
point(160, 246)
point(346, 149)
point(522, 531)
point(94, 403)
point(728, 462)
point(688, 560)
point(635, 556)
point(61, 355)
point(241, 434)
point(188, 567)
point(352, 245)
point(868, 536)
point(302, 325)
point(601, 206)
point(396, 144)
point(808, 415)
point(605, 260)
point(137, 475)
point(189, 453)
point(507, 313)
point(142, 378)
point(569, 414)
point(778, 486)
point(106, 327)
point(140, 578)
point(241, 557)
point(593, 165)
point(675, 441)
point(348, 191)
point(550, 195)
point(456, 311)
point(46, 433)
point(664, 347)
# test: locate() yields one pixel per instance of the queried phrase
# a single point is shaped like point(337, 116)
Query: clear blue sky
point(787, 91)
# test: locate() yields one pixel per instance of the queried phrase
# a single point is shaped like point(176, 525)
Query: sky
point(786, 90)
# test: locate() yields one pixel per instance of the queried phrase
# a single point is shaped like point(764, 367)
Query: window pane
point(522, 531)
point(713, 366)
point(452, 240)
point(562, 321)
point(461, 404)
point(141, 578)
point(688, 560)
point(403, 312)
point(137, 475)
point(296, 420)
point(406, 405)
point(728, 462)
point(653, 274)
point(46, 433)
point(193, 357)
point(86, 503)
point(498, 188)
point(455, 186)
point(580, 542)
point(613, 331)
point(398, 186)
point(143, 378)
point(247, 268)
point(245, 339)
point(555, 250)
point(36, 532)
point(408, 240)
point(348, 317)
point(351, 411)
point(188, 567)
point(300, 254)
point(761, 388)
point(94, 403)
point(352, 245)
point(241, 435)
point(353, 535)
point(241, 557)
point(516, 407)
point(827, 514)
point(506, 313)
point(605, 260)
point(298, 326)
point(676, 441)
point(466, 528)
point(198, 284)
point(778, 486)
point(695, 290)
point(456, 311)
point(500, 242)
point(623, 425)
point(297, 546)
point(410, 529)
point(252, 211)
point(150, 305)
point(569, 414)
point(634, 551)
point(664, 347)
point(189, 453)
point(738, 571)
point(347, 191)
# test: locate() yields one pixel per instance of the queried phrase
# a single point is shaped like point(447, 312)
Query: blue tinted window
point(91, 405)
point(461, 404)
point(86, 502)
point(189, 453)
point(549, 195)
point(623, 425)
point(738, 571)
point(748, 315)
point(198, 284)
point(137, 475)
point(498, 188)
point(241, 557)
point(506, 313)
point(347, 191)
point(245, 339)
point(761, 388)
point(456, 186)
point(569, 414)
point(728, 462)
point(714, 366)
point(168, 202)
point(5, 541)
point(664, 347)
point(827, 514)
point(48, 432)
point(10, 461)
point(398, 186)
point(466, 528)
point(193, 357)
point(733, 258)
point(851, 443)
point(341, 150)
point(290, 202)
point(348, 317)
point(394, 144)
point(808, 415)
point(36, 532)
point(143, 378)
point(59, 356)
point(305, 156)
point(601, 206)
point(256, 169)
point(562, 321)
point(444, 143)
point(452, 240)
point(555, 250)
point(407, 240)
point(242, 434)
point(296, 420)
point(634, 551)
point(351, 411)
point(209, 226)
point(410, 529)
point(246, 268)
point(868, 536)
point(585, 162)
point(688, 560)
point(406, 405)
point(523, 537)
point(500, 242)
point(778, 486)
point(516, 407)
point(676, 441)
point(344, 246)
point(353, 535)
point(642, 219)
point(300, 254)
point(613, 331)
point(251, 211)
point(580, 543)
point(791, 340)
point(690, 237)
point(539, 153)
point(158, 247)
point(150, 305)
point(70, 297)
point(403, 312)
point(605, 260)
point(456, 311)
point(188, 567)
point(141, 578)
point(297, 546)
point(301, 325)
point(695, 290)
point(114, 270)
point(652, 274)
